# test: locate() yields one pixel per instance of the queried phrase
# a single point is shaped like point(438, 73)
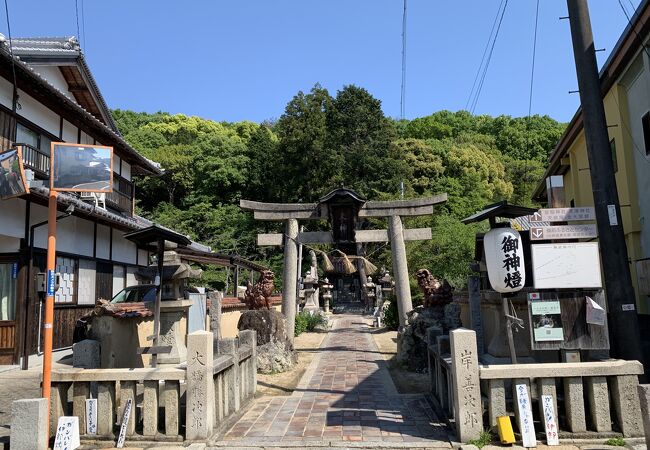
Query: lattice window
point(67, 270)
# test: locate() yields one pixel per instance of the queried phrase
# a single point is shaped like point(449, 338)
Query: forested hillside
point(322, 142)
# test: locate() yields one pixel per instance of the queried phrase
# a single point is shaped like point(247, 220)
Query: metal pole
point(156, 314)
point(623, 323)
point(49, 303)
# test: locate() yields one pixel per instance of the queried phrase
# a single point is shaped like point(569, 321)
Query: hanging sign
point(548, 409)
point(67, 433)
point(526, 426)
point(91, 416)
point(125, 422)
point(563, 214)
point(547, 320)
point(504, 257)
point(12, 174)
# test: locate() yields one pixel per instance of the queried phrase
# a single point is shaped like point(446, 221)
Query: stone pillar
point(625, 395)
point(28, 423)
point(468, 413)
point(199, 414)
point(290, 276)
point(249, 337)
point(215, 314)
point(574, 404)
point(497, 401)
point(400, 267)
point(598, 397)
point(644, 397)
point(474, 288)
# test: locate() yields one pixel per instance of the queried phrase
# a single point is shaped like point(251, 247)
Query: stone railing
point(216, 384)
point(587, 397)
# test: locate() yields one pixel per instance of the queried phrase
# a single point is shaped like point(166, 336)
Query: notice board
point(566, 265)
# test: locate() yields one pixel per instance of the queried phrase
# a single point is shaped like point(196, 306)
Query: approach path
point(345, 395)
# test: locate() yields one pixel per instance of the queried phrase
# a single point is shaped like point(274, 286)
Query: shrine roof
point(499, 209)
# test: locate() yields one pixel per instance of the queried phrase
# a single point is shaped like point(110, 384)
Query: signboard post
point(91, 416)
point(67, 433)
point(550, 423)
point(73, 167)
point(526, 426)
point(125, 422)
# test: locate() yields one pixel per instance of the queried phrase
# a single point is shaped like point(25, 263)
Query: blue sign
point(14, 270)
point(50, 283)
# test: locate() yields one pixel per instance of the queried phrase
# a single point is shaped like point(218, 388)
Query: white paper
point(552, 437)
point(613, 217)
point(91, 416)
point(595, 313)
point(67, 433)
point(526, 426)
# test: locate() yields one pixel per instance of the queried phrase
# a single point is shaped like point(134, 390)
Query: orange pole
point(49, 303)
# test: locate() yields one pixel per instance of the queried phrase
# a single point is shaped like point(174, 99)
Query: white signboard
point(563, 232)
point(566, 266)
point(526, 426)
point(125, 422)
point(91, 416)
point(552, 437)
point(563, 214)
point(67, 433)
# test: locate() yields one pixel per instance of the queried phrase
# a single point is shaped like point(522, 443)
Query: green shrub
point(617, 442)
point(308, 322)
point(484, 439)
point(391, 316)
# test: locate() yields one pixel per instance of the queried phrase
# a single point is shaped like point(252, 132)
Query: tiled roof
point(26, 69)
point(125, 310)
point(237, 303)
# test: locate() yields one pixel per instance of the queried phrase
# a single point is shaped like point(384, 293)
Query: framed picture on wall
point(12, 174)
point(81, 168)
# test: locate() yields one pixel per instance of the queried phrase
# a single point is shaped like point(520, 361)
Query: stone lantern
point(327, 294)
point(387, 285)
point(311, 293)
point(371, 292)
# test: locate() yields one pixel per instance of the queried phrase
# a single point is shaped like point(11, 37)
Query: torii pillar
point(290, 275)
point(400, 268)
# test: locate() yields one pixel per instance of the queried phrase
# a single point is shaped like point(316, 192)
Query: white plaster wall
point(73, 234)
point(87, 139)
point(6, 92)
point(9, 244)
point(638, 98)
point(130, 276)
point(37, 113)
point(103, 241)
point(87, 278)
point(69, 132)
point(12, 217)
point(54, 76)
point(143, 257)
point(119, 278)
point(126, 170)
point(123, 250)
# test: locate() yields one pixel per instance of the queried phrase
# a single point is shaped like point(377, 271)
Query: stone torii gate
point(343, 208)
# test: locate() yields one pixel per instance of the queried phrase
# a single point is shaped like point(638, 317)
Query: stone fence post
point(229, 346)
point(466, 391)
point(249, 374)
point(644, 396)
point(199, 415)
point(28, 421)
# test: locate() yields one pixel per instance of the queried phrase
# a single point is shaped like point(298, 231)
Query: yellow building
point(625, 82)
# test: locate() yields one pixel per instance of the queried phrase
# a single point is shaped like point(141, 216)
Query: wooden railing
point(217, 384)
point(37, 160)
point(122, 196)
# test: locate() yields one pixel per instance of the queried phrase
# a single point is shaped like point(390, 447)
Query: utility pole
point(623, 320)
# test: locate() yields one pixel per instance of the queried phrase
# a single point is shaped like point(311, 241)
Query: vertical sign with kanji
point(548, 409)
point(91, 416)
point(526, 426)
point(67, 433)
point(125, 421)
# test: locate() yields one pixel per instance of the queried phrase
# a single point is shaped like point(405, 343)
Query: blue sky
point(245, 59)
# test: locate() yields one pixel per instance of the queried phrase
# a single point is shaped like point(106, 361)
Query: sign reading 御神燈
point(504, 257)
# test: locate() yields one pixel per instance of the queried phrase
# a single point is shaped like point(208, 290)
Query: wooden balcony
point(36, 160)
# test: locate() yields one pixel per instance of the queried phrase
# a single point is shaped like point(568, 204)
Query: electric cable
point(403, 88)
point(487, 46)
point(13, 65)
point(489, 58)
point(76, 10)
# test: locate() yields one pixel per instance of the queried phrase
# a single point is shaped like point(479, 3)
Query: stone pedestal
point(28, 421)
point(173, 330)
point(275, 352)
point(644, 397)
point(86, 354)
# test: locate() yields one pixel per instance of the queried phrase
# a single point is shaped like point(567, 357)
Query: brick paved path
point(346, 395)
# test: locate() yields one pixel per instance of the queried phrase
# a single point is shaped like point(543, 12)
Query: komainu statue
point(435, 292)
point(257, 296)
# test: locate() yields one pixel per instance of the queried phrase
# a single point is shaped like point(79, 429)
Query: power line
point(13, 65)
point(489, 58)
point(76, 10)
point(532, 70)
point(403, 91)
point(487, 46)
point(83, 24)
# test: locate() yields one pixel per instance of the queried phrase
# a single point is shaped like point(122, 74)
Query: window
point(8, 281)
point(26, 136)
point(67, 270)
point(612, 146)
point(645, 122)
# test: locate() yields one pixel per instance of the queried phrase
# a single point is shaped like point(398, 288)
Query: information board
point(67, 433)
point(566, 266)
